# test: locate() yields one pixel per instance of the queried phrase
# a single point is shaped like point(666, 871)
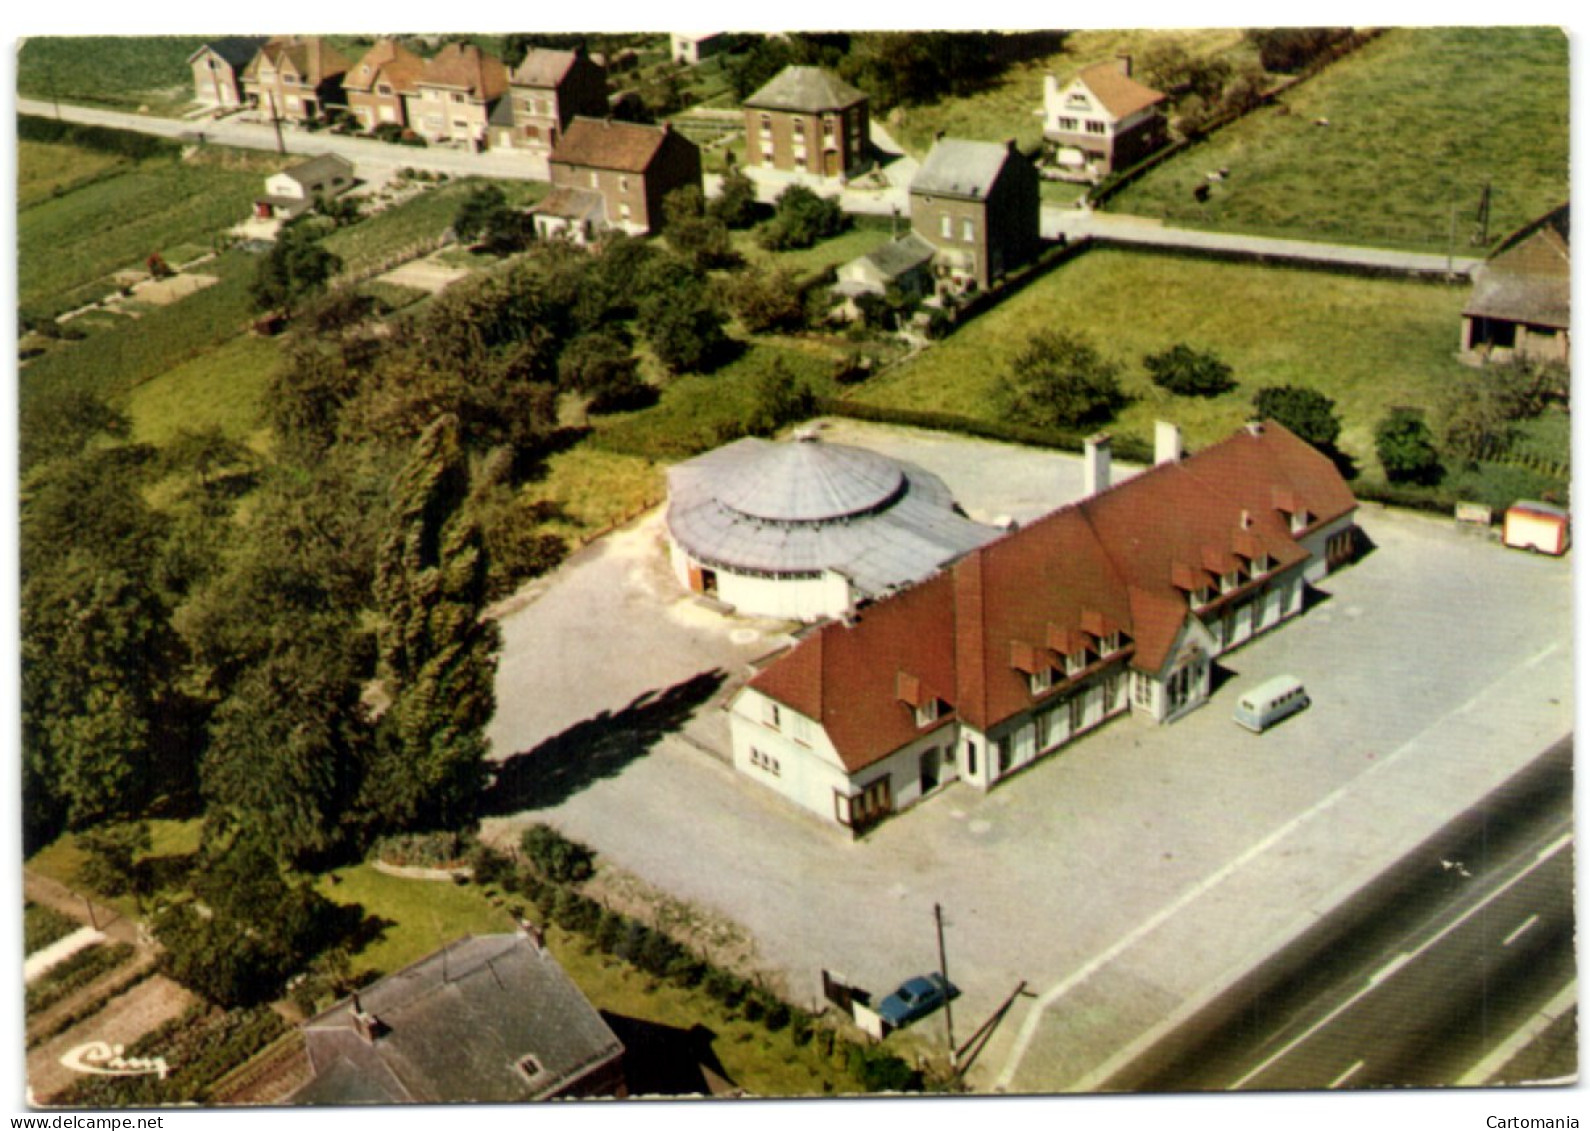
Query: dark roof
point(572, 204)
point(901, 255)
point(235, 49)
point(956, 167)
point(320, 168)
point(543, 67)
point(1527, 279)
point(809, 89)
point(601, 143)
point(459, 1025)
point(1122, 560)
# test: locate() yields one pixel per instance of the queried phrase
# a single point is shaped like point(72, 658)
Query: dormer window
point(1076, 661)
point(1110, 644)
point(1200, 596)
point(1229, 581)
point(1261, 564)
point(928, 713)
point(1299, 521)
point(1041, 680)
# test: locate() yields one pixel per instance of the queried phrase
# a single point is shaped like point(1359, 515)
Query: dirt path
point(56, 895)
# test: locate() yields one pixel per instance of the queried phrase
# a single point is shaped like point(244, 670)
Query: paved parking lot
point(1436, 665)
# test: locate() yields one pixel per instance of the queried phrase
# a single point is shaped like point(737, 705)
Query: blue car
point(916, 998)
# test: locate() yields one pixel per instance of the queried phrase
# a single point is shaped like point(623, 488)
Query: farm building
point(805, 530)
point(1119, 602)
point(486, 1019)
point(1519, 306)
point(296, 190)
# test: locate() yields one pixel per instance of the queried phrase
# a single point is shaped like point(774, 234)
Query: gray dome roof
point(807, 481)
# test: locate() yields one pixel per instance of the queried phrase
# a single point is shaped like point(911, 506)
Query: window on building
point(1076, 100)
point(1110, 643)
point(1142, 690)
point(1002, 755)
point(773, 717)
point(801, 729)
point(1076, 661)
point(1096, 127)
point(1299, 521)
point(623, 184)
point(1069, 124)
point(383, 88)
point(947, 227)
point(971, 758)
point(767, 154)
point(767, 123)
point(799, 126)
point(968, 231)
point(1041, 680)
point(623, 212)
point(927, 713)
point(765, 762)
point(458, 96)
point(1229, 581)
point(596, 179)
point(828, 128)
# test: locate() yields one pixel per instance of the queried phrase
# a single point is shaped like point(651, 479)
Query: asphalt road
point(1429, 974)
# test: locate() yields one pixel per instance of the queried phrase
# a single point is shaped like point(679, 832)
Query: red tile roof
point(601, 143)
point(463, 66)
point(1120, 94)
point(312, 59)
point(389, 58)
point(1120, 561)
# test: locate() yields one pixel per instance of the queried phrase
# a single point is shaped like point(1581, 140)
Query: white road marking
point(1346, 1076)
point(1034, 1018)
point(1390, 968)
point(1520, 929)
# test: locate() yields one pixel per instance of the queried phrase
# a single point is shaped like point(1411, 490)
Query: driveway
point(1120, 876)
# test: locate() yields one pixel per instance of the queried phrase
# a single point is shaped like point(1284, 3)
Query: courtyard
point(1117, 877)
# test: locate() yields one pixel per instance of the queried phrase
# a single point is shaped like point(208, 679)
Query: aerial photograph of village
point(702, 564)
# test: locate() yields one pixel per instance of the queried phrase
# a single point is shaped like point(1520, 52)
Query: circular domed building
point(804, 530)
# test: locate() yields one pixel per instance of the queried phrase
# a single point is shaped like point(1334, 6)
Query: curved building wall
point(803, 597)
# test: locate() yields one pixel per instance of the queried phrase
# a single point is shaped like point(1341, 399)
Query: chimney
point(1124, 62)
point(1167, 442)
point(1246, 521)
point(367, 1025)
point(1255, 427)
point(1096, 464)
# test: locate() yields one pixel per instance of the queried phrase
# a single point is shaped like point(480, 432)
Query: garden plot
point(429, 274)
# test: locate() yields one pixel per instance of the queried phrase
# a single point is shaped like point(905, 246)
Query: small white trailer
point(1536, 526)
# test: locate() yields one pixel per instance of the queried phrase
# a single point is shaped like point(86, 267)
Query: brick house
point(455, 94)
point(295, 78)
point(218, 69)
point(977, 203)
point(608, 174)
point(1519, 307)
point(547, 91)
point(1118, 603)
point(807, 120)
point(1103, 120)
point(377, 84)
point(486, 1019)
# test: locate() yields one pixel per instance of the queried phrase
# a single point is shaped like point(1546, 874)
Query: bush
point(610, 931)
point(576, 914)
point(777, 1016)
point(800, 219)
point(1310, 414)
point(490, 866)
point(1189, 373)
point(423, 850)
point(112, 866)
point(556, 856)
point(1406, 447)
point(723, 987)
point(879, 1071)
point(1060, 379)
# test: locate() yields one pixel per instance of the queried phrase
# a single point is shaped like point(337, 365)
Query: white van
point(1270, 702)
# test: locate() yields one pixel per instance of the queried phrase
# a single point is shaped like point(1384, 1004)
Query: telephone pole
point(944, 972)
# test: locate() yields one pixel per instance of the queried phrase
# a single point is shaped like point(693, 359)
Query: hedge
point(123, 143)
point(73, 973)
point(1122, 447)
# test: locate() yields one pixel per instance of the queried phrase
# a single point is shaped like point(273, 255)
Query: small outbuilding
point(1536, 526)
point(805, 530)
point(294, 191)
point(1520, 304)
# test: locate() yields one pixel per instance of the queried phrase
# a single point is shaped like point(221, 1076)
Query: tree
point(112, 865)
point(1188, 372)
point(57, 422)
point(800, 219)
point(1287, 50)
point(1406, 447)
point(1477, 414)
point(735, 204)
point(485, 217)
point(693, 233)
point(914, 67)
point(287, 749)
point(603, 365)
point(437, 654)
point(1310, 414)
point(684, 328)
point(780, 400)
point(296, 268)
point(1060, 380)
point(766, 300)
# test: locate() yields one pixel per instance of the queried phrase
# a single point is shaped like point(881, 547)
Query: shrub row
point(73, 973)
point(1122, 447)
point(42, 925)
point(123, 143)
point(85, 1010)
point(199, 1048)
point(423, 850)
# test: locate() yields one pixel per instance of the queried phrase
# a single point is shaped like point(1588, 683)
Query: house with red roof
point(1117, 603)
point(608, 174)
point(295, 78)
point(377, 85)
point(455, 95)
point(1103, 119)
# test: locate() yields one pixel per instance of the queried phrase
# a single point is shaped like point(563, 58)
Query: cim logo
point(100, 1059)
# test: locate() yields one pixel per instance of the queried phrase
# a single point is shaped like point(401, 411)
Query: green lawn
point(594, 489)
point(1420, 121)
point(69, 245)
point(124, 72)
point(1009, 107)
point(45, 170)
point(1366, 343)
point(864, 234)
point(423, 217)
point(224, 387)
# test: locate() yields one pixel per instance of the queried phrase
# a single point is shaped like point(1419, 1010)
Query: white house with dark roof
point(1103, 120)
point(904, 263)
point(1117, 603)
point(807, 120)
point(295, 190)
point(486, 1019)
point(804, 530)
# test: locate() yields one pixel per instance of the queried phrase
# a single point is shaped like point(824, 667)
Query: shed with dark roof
point(1520, 306)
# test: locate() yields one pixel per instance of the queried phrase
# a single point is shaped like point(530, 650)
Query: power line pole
point(944, 972)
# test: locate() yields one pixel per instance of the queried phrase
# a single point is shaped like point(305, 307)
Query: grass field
point(422, 218)
point(864, 234)
point(1009, 107)
point(68, 245)
point(1368, 344)
point(45, 170)
point(223, 387)
point(123, 72)
point(1420, 121)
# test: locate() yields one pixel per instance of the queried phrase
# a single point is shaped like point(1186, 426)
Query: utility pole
point(944, 972)
point(281, 146)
